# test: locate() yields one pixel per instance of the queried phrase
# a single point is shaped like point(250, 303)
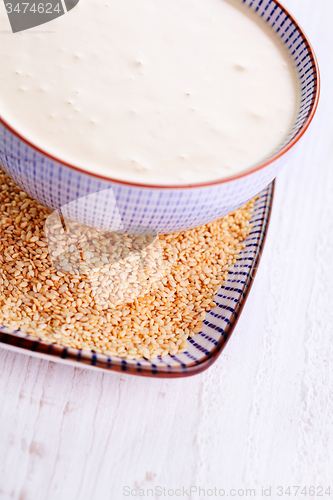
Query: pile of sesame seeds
point(87, 289)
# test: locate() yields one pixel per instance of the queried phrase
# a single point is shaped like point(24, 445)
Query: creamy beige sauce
point(150, 91)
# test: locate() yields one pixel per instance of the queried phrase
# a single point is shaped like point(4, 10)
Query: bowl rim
point(251, 170)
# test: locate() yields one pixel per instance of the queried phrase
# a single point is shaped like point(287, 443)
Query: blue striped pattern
point(218, 325)
point(168, 210)
point(164, 210)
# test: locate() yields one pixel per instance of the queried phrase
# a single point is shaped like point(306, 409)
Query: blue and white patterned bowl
point(169, 208)
point(203, 349)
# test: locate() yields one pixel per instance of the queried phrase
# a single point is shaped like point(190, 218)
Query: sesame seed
point(86, 288)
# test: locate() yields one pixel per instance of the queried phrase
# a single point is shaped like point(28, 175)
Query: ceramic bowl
point(169, 208)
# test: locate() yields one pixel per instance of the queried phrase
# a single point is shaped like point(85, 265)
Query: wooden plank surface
point(261, 416)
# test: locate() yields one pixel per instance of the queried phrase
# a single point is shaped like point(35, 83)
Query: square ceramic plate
point(204, 348)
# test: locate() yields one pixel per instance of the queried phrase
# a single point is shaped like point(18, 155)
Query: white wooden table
point(262, 415)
